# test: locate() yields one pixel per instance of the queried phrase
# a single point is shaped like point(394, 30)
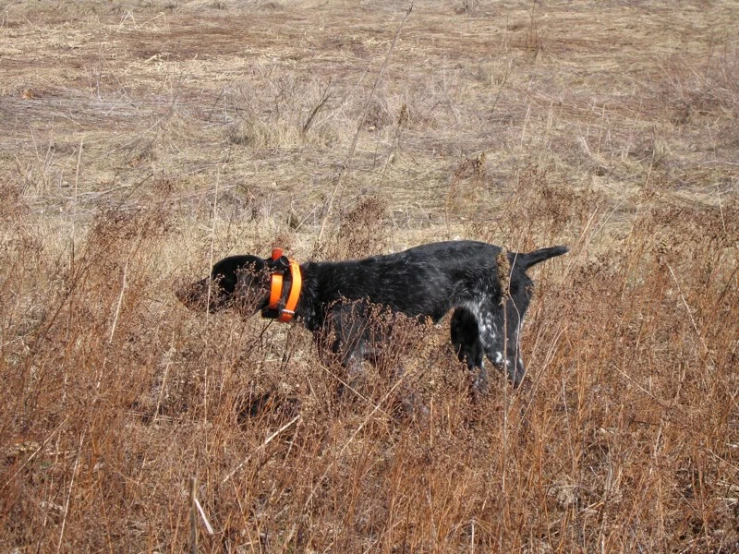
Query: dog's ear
point(279, 263)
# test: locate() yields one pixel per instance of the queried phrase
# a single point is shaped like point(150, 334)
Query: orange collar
point(273, 309)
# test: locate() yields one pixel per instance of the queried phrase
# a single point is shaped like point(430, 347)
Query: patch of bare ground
point(140, 140)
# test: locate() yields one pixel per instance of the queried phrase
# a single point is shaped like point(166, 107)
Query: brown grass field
point(142, 139)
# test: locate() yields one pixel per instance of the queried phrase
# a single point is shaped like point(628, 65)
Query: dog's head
point(238, 282)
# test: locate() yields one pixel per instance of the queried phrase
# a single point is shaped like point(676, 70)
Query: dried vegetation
point(140, 140)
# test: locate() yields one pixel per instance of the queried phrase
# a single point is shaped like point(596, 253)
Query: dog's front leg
point(348, 329)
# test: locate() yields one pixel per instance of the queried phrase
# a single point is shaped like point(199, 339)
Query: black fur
point(423, 282)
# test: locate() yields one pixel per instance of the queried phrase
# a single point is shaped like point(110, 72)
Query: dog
point(486, 287)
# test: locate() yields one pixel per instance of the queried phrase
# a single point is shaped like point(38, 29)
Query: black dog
point(486, 286)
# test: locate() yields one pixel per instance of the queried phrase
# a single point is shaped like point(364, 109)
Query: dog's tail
point(525, 261)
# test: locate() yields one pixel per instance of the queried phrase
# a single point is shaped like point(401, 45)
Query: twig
point(118, 306)
point(314, 112)
point(207, 309)
point(69, 492)
point(346, 167)
point(74, 202)
point(199, 508)
point(687, 308)
point(163, 387)
point(193, 518)
point(260, 447)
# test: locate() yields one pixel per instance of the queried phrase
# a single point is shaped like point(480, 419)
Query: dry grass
point(137, 137)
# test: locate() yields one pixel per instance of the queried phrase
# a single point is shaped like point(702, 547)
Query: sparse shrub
point(360, 234)
point(624, 436)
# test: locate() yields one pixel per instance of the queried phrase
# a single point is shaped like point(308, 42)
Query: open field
point(140, 140)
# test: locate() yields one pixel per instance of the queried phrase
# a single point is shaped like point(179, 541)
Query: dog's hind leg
point(465, 332)
point(466, 338)
point(499, 337)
